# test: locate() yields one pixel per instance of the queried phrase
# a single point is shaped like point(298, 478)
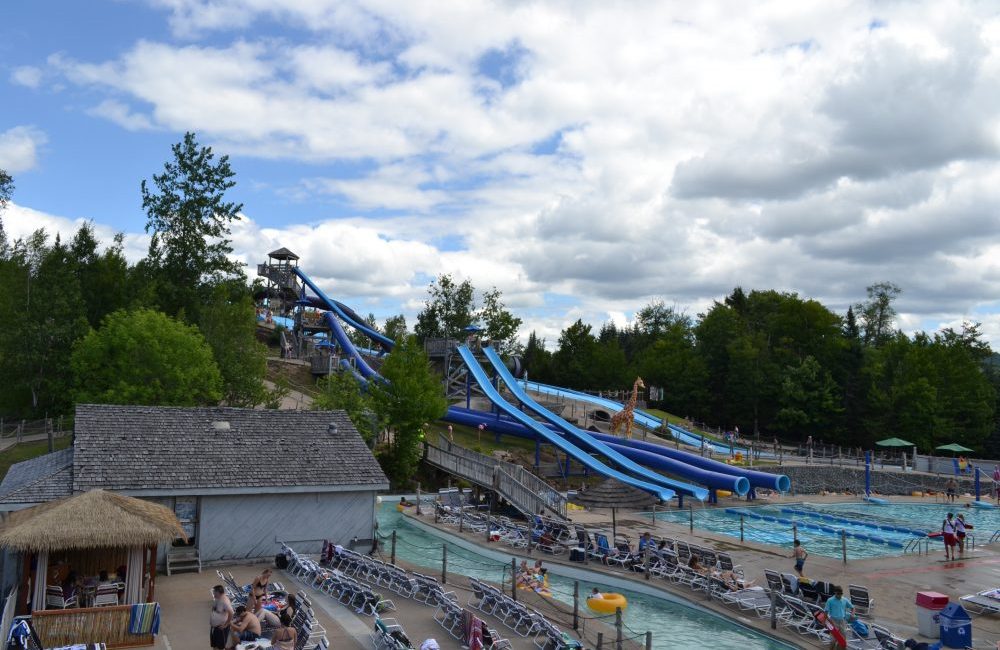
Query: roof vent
point(220, 425)
point(332, 429)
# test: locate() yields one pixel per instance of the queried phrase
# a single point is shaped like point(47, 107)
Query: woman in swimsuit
point(259, 586)
point(284, 637)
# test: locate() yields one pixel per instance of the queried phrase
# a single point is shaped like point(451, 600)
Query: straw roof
point(94, 519)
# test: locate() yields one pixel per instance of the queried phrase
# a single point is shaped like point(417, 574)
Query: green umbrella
point(894, 442)
point(954, 446)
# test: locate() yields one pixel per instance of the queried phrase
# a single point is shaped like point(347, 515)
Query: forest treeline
point(776, 364)
point(79, 322)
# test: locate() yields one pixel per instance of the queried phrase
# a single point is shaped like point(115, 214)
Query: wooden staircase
point(180, 560)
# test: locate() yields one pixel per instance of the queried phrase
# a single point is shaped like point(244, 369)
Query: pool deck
point(892, 581)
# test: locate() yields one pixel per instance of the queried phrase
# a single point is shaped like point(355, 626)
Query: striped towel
point(144, 619)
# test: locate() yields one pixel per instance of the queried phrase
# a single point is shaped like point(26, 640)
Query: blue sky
point(584, 158)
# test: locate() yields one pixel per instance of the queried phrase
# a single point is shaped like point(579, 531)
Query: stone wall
point(813, 479)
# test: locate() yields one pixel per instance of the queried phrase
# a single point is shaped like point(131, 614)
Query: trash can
point(956, 627)
point(929, 606)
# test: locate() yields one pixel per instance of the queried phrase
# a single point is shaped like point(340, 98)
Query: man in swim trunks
point(950, 488)
point(948, 533)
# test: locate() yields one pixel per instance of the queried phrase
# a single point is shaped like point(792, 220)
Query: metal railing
point(524, 490)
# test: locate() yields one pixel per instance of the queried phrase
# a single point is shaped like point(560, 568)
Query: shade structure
point(894, 442)
point(953, 446)
point(94, 519)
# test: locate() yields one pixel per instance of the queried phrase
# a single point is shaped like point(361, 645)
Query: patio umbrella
point(953, 447)
point(894, 442)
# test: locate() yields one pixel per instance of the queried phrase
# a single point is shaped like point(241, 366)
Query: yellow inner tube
point(608, 604)
point(400, 507)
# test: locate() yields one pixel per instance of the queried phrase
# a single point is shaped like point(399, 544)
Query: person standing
point(220, 619)
point(960, 533)
point(800, 555)
point(950, 488)
point(948, 534)
point(837, 610)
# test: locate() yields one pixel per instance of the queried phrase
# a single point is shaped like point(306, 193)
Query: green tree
point(809, 399)
point(573, 362)
point(103, 276)
point(395, 327)
point(190, 218)
point(228, 323)
point(145, 357)
point(410, 397)
point(449, 310)
point(6, 192)
point(499, 324)
point(537, 360)
point(341, 391)
point(878, 313)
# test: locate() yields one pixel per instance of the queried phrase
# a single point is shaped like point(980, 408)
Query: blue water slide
point(643, 418)
point(551, 437)
point(582, 438)
point(502, 424)
point(348, 347)
point(778, 482)
point(335, 307)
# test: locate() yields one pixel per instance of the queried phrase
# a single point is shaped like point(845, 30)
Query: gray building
point(240, 480)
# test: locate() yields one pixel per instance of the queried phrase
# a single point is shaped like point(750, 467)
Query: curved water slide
point(352, 319)
point(643, 418)
point(581, 438)
point(738, 485)
point(478, 374)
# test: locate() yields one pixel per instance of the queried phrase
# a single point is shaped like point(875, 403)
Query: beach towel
point(144, 618)
point(476, 634)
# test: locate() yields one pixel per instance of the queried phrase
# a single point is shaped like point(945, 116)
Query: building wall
point(254, 525)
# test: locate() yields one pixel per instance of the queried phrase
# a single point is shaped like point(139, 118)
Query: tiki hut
point(87, 533)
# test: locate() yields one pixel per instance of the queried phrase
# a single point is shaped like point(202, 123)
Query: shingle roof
point(33, 469)
point(155, 447)
point(55, 485)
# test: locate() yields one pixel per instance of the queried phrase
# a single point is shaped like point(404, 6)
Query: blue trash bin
point(956, 627)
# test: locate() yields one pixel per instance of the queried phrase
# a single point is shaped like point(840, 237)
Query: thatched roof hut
point(94, 519)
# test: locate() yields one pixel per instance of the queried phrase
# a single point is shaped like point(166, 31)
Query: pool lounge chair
point(985, 602)
point(862, 600)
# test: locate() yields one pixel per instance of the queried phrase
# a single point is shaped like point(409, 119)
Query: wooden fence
point(109, 625)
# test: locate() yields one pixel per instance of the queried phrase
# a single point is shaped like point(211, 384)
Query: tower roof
point(283, 254)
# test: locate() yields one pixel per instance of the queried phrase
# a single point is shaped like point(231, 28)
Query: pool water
point(673, 625)
point(873, 530)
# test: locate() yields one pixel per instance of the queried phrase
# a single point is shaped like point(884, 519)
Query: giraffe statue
point(625, 416)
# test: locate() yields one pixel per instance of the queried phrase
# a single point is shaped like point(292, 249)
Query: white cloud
point(19, 148)
point(609, 152)
point(27, 75)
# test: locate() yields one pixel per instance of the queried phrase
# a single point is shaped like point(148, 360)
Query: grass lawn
point(27, 450)
point(674, 419)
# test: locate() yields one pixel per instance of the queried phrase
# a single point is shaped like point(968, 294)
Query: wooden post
point(774, 610)
point(795, 531)
point(418, 501)
point(600, 641)
point(461, 520)
point(513, 579)
point(741, 527)
point(152, 575)
point(649, 640)
point(614, 525)
point(646, 559)
point(489, 526)
point(393, 556)
point(843, 544)
point(444, 564)
point(576, 604)
point(618, 628)
point(48, 431)
point(691, 517)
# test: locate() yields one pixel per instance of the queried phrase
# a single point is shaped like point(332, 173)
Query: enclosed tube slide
point(544, 433)
point(332, 305)
point(582, 438)
point(778, 482)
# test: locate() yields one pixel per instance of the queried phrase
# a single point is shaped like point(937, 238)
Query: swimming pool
point(673, 625)
point(873, 530)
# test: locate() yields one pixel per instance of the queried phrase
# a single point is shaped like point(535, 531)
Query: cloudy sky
point(584, 157)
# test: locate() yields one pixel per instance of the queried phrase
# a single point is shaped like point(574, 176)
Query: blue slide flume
point(335, 307)
point(582, 438)
point(551, 437)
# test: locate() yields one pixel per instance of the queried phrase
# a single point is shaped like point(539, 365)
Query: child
point(800, 555)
